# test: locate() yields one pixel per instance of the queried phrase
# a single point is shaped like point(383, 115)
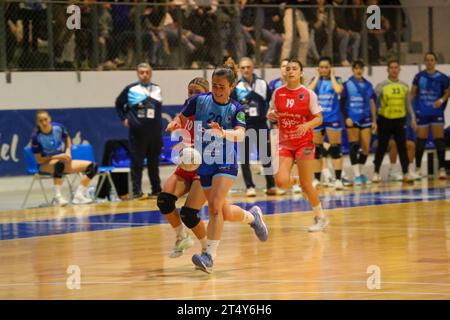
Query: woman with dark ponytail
point(219, 125)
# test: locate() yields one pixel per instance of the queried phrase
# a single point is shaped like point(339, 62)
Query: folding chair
point(32, 168)
point(86, 152)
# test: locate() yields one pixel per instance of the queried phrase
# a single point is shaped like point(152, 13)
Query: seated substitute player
point(51, 143)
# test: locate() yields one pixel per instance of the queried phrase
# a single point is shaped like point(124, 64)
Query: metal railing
point(36, 34)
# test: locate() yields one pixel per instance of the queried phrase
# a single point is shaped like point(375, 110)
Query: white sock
point(180, 231)
point(326, 173)
point(318, 211)
point(211, 248)
point(248, 217)
point(203, 243)
point(391, 167)
point(412, 168)
point(356, 170)
point(361, 167)
point(57, 190)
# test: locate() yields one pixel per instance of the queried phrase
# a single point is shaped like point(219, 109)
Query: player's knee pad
point(166, 202)
point(335, 151)
point(91, 170)
point(319, 151)
point(354, 147)
point(190, 217)
point(59, 169)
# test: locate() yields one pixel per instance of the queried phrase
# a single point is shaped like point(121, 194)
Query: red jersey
point(189, 126)
point(294, 107)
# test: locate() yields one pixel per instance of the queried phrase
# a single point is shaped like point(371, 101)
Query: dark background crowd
point(195, 33)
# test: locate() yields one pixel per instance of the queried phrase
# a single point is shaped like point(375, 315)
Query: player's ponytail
point(228, 70)
point(202, 82)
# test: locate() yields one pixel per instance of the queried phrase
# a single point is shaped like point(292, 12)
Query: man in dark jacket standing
point(139, 108)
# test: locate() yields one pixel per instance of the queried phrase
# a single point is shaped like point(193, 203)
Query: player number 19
point(289, 103)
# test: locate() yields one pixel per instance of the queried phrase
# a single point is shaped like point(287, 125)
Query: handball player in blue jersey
point(358, 107)
point(429, 93)
point(220, 124)
point(50, 144)
point(328, 87)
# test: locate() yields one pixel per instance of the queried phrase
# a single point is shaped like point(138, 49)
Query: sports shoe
point(59, 201)
point(203, 262)
point(347, 182)
point(271, 191)
point(154, 195)
point(442, 174)
point(258, 224)
point(415, 176)
point(319, 224)
point(296, 188)
point(80, 198)
point(338, 185)
point(251, 192)
point(140, 196)
point(281, 192)
point(180, 246)
point(365, 180)
point(407, 178)
point(376, 178)
point(359, 180)
point(315, 183)
point(395, 176)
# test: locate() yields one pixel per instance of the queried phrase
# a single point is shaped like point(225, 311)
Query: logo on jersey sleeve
point(241, 117)
point(301, 96)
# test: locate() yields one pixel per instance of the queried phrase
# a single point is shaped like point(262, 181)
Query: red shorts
point(189, 176)
point(303, 152)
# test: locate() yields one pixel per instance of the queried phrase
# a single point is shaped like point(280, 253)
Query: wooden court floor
point(394, 244)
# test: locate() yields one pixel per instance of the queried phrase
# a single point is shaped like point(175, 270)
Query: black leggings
point(387, 128)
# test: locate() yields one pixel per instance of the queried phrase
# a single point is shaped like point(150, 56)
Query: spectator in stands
point(272, 30)
point(346, 38)
point(105, 26)
point(320, 24)
point(254, 18)
point(296, 22)
point(139, 108)
point(202, 18)
point(14, 30)
point(33, 15)
point(187, 41)
point(51, 144)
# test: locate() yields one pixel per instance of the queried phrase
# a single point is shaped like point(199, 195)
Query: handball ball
point(189, 159)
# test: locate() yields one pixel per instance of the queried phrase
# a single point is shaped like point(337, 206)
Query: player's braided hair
point(202, 82)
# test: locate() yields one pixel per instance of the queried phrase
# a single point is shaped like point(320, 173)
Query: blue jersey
point(430, 87)
point(275, 84)
point(50, 144)
point(328, 99)
point(206, 110)
point(358, 95)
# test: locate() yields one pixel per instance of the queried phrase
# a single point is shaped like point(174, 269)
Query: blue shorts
point(225, 170)
point(335, 126)
point(363, 123)
point(425, 121)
